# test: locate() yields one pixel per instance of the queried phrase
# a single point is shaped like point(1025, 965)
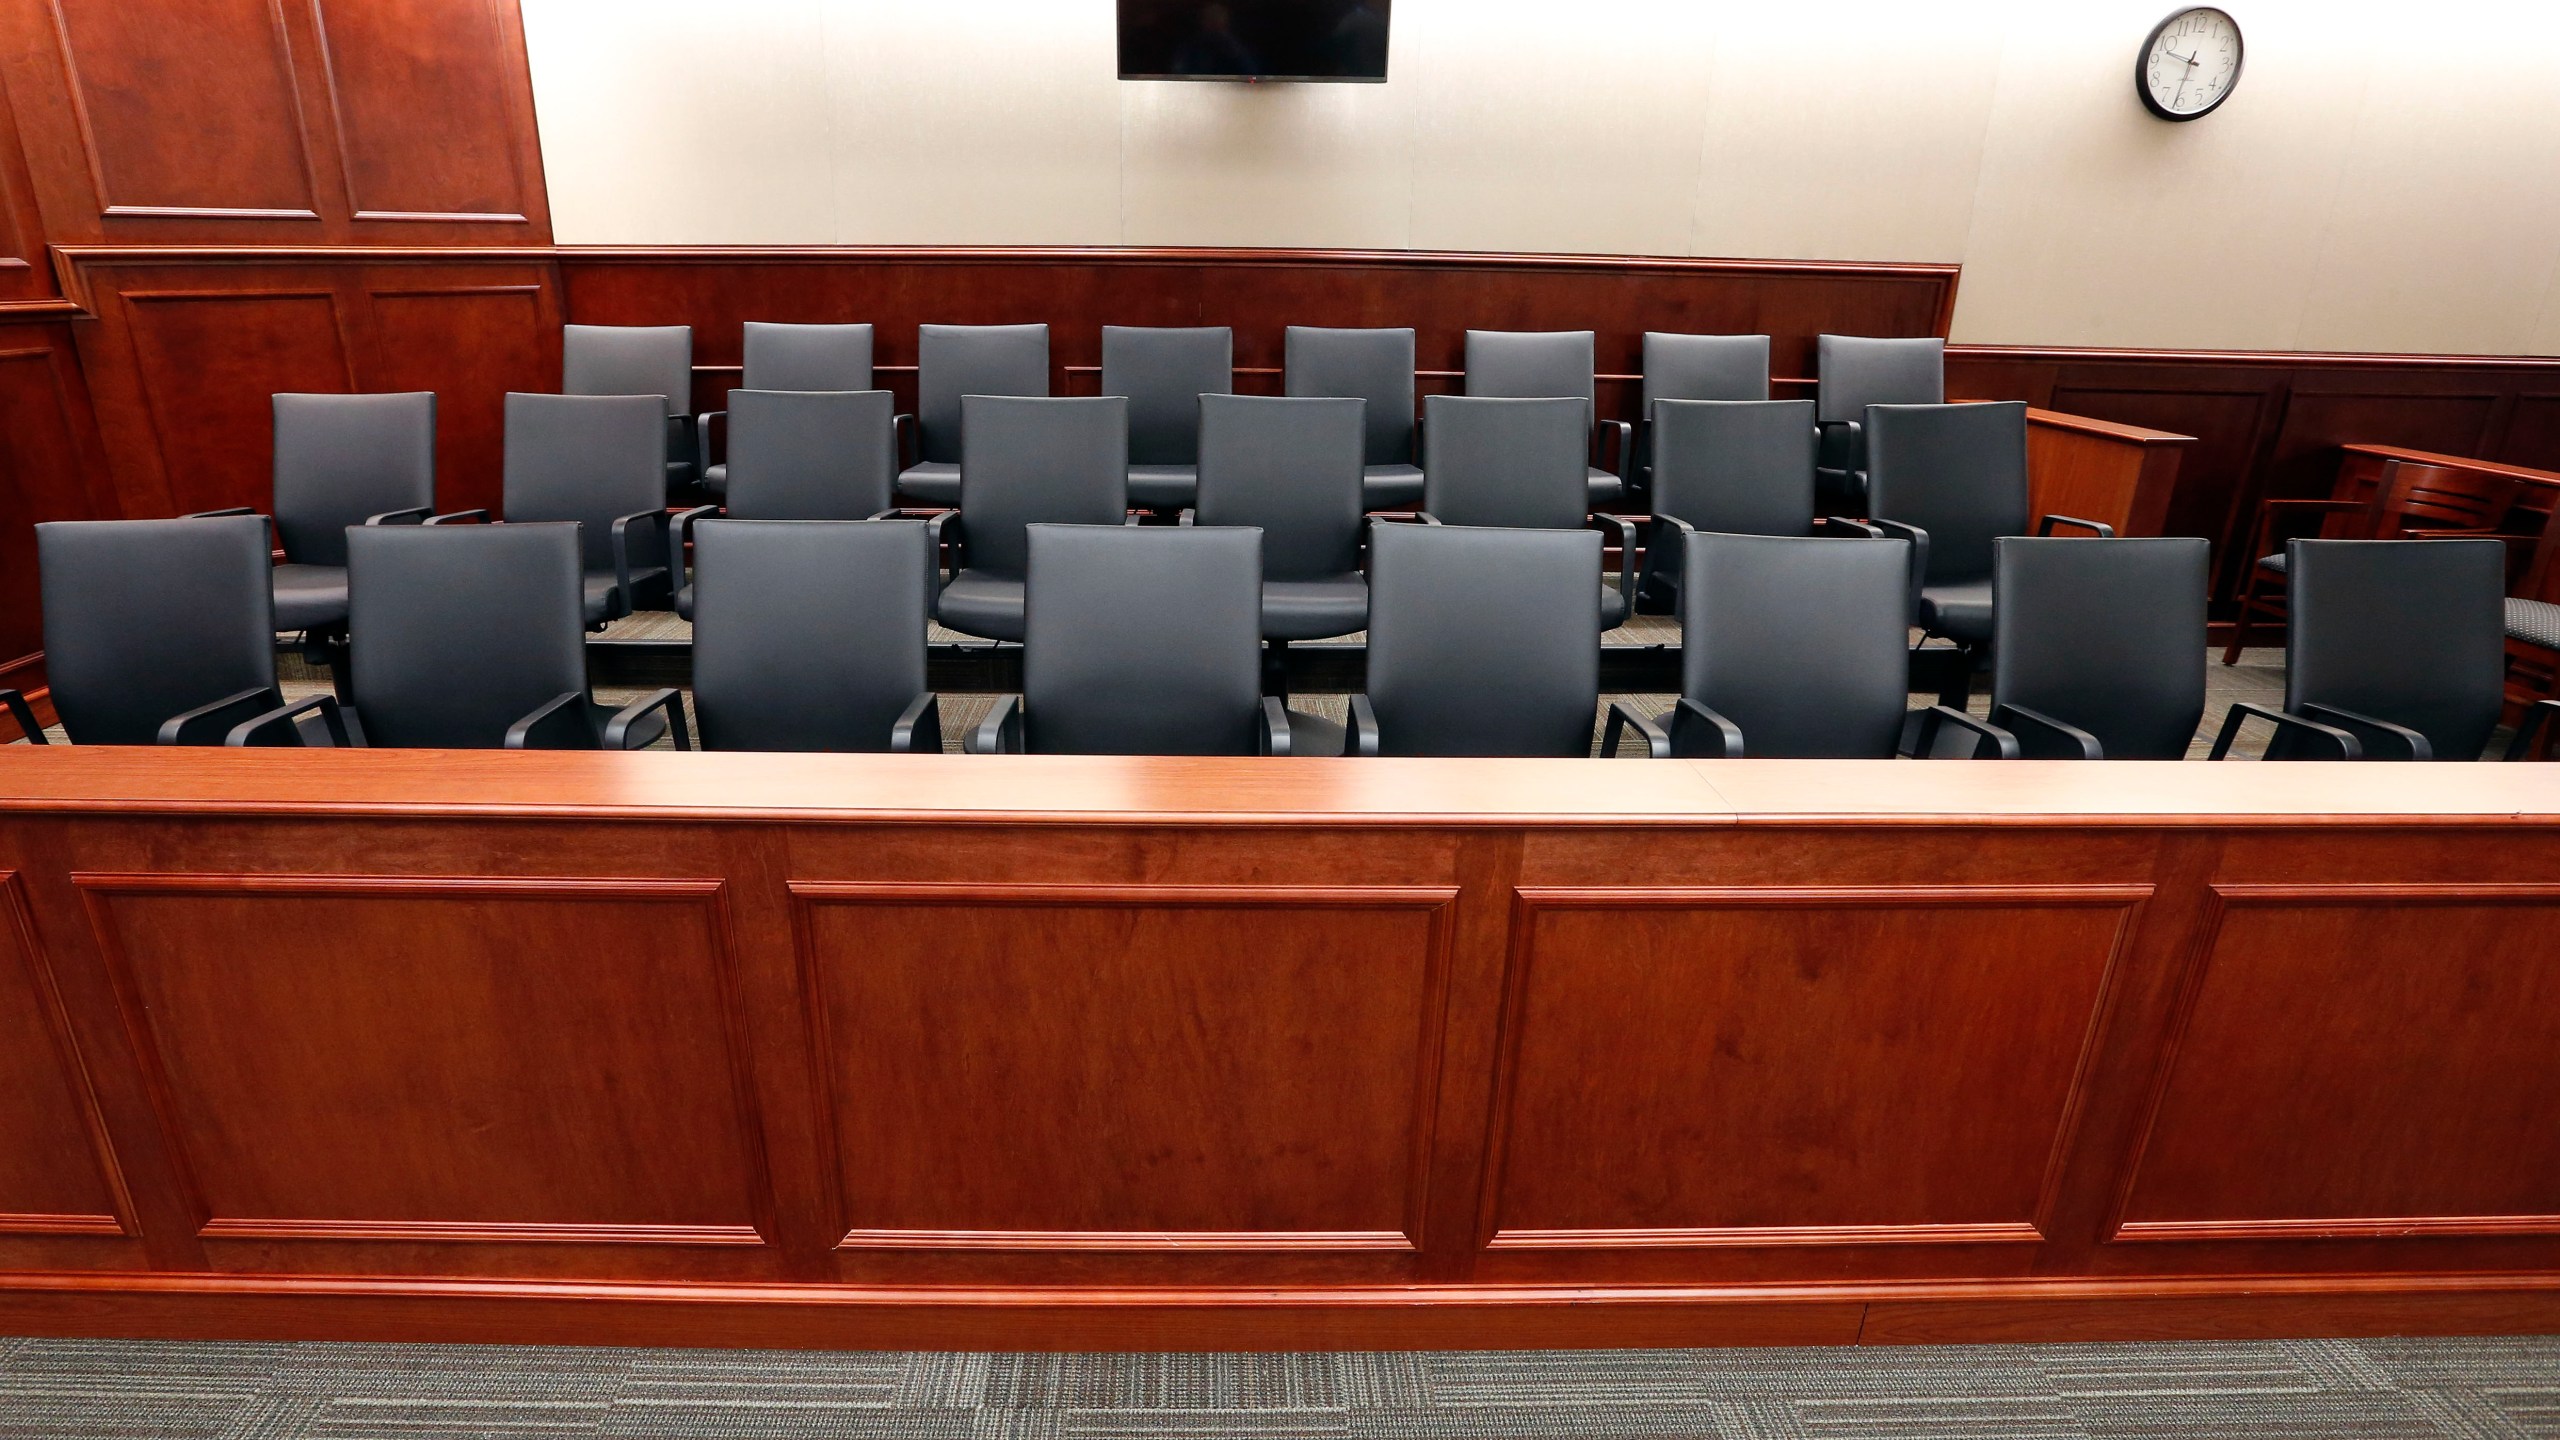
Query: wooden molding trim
point(1745, 1236)
point(2090, 354)
point(480, 1233)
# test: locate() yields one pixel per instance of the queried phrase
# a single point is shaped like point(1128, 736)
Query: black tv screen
point(1253, 39)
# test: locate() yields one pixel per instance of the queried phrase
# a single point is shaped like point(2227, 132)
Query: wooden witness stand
point(1088, 1053)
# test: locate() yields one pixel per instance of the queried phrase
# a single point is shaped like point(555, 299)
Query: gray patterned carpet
point(2476, 1389)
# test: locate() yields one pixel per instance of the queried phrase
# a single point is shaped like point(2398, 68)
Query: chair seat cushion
point(716, 478)
point(684, 602)
point(1315, 735)
point(599, 591)
point(1314, 609)
point(1391, 487)
point(310, 597)
point(1163, 487)
point(2274, 563)
point(982, 605)
point(1605, 488)
point(2535, 622)
point(1961, 612)
point(934, 482)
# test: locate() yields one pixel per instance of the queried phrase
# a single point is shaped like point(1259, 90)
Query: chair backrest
point(1142, 641)
point(1484, 641)
point(1371, 365)
point(1852, 372)
point(1744, 467)
point(806, 357)
point(1511, 463)
point(588, 458)
point(1163, 371)
point(811, 454)
point(148, 619)
point(2440, 497)
point(2409, 631)
point(807, 634)
point(1705, 367)
point(462, 630)
point(1533, 364)
point(342, 458)
point(2106, 635)
point(1956, 471)
point(1032, 461)
point(957, 360)
point(629, 360)
point(1802, 643)
point(1290, 467)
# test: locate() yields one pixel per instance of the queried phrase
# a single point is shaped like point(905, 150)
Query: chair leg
point(2240, 626)
point(1275, 669)
point(1957, 688)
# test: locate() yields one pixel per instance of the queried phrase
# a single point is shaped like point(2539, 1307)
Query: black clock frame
point(2142, 66)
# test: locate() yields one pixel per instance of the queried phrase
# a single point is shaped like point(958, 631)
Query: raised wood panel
point(56, 1172)
point(2361, 1060)
point(2225, 424)
point(207, 362)
point(389, 64)
point(187, 108)
point(442, 1060)
point(2303, 461)
point(470, 345)
point(1771, 1067)
point(49, 465)
point(1161, 1068)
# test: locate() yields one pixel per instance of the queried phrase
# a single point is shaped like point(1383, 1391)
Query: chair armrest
point(2345, 745)
point(1626, 529)
point(905, 441)
point(617, 731)
point(1675, 522)
point(702, 439)
point(1419, 517)
point(1928, 740)
point(954, 545)
point(1835, 442)
point(918, 730)
point(414, 515)
point(1363, 739)
point(2045, 525)
point(2381, 739)
point(1623, 716)
point(19, 710)
point(207, 724)
point(2529, 726)
point(1699, 733)
point(2259, 542)
point(1000, 733)
point(559, 723)
point(458, 517)
point(278, 727)
point(1132, 519)
point(680, 534)
point(1274, 739)
point(218, 514)
point(622, 555)
point(2041, 737)
point(1850, 529)
point(1919, 539)
point(1626, 449)
point(1188, 518)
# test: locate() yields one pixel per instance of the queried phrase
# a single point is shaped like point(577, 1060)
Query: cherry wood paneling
point(470, 344)
point(206, 360)
point(55, 1171)
point(50, 469)
point(381, 57)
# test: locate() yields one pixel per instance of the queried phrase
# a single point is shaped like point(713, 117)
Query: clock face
point(2189, 64)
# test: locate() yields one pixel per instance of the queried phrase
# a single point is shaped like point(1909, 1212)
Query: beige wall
point(2375, 184)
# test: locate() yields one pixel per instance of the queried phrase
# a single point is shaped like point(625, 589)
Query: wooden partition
point(717, 1049)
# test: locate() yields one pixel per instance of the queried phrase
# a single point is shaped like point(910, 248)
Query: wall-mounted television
point(1253, 40)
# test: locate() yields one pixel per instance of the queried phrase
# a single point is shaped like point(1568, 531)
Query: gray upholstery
point(1104, 673)
point(1031, 461)
point(1371, 365)
point(1800, 642)
point(1853, 372)
point(340, 460)
point(1540, 364)
point(805, 357)
point(310, 597)
point(593, 459)
point(1483, 641)
point(957, 360)
point(637, 360)
point(147, 619)
point(2535, 622)
point(1163, 372)
point(2411, 632)
point(2106, 636)
point(1958, 472)
point(1291, 468)
point(811, 455)
point(1704, 367)
point(1511, 463)
point(1743, 467)
point(807, 634)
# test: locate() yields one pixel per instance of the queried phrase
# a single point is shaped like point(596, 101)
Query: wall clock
point(2189, 65)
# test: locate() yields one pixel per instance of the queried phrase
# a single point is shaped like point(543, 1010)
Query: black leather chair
point(590, 459)
point(1103, 673)
point(469, 638)
point(2098, 646)
point(1291, 469)
point(1737, 467)
point(1518, 464)
point(1793, 648)
point(788, 357)
point(957, 360)
point(1375, 366)
point(638, 360)
point(158, 632)
point(1696, 367)
point(1481, 642)
point(1543, 364)
point(802, 455)
point(1029, 461)
point(2394, 650)
point(809, 635)
point(1852, 372)
point(1951, 479)
point(1163, 372)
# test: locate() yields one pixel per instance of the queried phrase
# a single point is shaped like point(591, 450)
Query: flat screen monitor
point(1253, 40)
